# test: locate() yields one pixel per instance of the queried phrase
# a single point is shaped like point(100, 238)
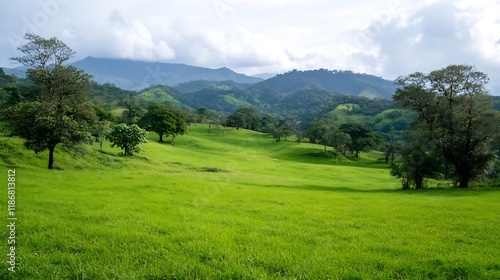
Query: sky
point(383, 38)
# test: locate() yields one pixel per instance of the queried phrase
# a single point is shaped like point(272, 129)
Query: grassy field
point(239, 206)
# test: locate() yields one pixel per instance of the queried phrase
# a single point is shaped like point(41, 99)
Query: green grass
point(240, 206)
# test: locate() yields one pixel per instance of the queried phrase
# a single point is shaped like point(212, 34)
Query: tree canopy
point(246, 117)
point(362, 136)
point(163, 121)
point(128, 138)
point(61, 111)
point(455, 117)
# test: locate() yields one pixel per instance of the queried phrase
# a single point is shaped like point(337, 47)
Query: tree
point(43, 53)
point(61, 112)
point(341, 142)
point(163, 121)
point(273, 124)
point(127, 137)
point(415, 164)
point(454, 115)
point(101, 130)
point(322, 132)
point(133, 110)
point(392, 150)
point(246, 117)
point(6, 88)
point(289, 126)
point(211, 117)
point(362, 136)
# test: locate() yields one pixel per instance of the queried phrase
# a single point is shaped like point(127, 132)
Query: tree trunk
point(128, 151)
point(161, 137)
point(52, 147)
point(419, 182)
point(464, 181)
point(357, 153)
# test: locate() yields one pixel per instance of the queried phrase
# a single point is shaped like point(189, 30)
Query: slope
point(344, 82)
point(239, 206)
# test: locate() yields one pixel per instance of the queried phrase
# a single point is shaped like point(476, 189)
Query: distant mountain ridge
point(344, 82)
point(137, 75)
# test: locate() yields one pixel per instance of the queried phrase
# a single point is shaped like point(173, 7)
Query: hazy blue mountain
point(265, 76)
point(345, 82)
point(19, 72)
point(138, 75)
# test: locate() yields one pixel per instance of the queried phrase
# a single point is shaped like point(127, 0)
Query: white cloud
point(483, 19)
point(432, 37)
point(134, 41)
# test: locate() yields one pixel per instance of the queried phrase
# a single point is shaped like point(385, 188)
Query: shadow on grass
point(445, 192)
point(319, 156)
point(120, 157)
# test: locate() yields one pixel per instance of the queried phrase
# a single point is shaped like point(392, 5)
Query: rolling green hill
point(240, 206)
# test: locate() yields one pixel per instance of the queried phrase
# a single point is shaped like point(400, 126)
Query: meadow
point(239, 206)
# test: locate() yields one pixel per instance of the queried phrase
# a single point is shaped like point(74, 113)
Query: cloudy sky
point(380, 37)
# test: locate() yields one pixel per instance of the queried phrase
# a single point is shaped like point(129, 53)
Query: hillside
point(137, 75)
point(344, 82)
point(239, 206)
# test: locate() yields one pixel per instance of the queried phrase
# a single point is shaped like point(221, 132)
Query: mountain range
point(138, 75)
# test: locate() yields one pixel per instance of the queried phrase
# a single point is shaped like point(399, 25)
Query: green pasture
point(239, 206)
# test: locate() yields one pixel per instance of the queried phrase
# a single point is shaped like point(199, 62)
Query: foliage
point(455, 116)
point(341, 142)
point(362, 136)
point(5, 79)
point(61, 111)
point(246, 117)
point(415, 164)
point(43, 53)
point(108, 95)
point(101, 130)
point(102, 114)
point(211, 117)
point(133, 110)
point(279, 127)
point(127, 137)
point(322, 132)
point(5, 82)
point(163, 120)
